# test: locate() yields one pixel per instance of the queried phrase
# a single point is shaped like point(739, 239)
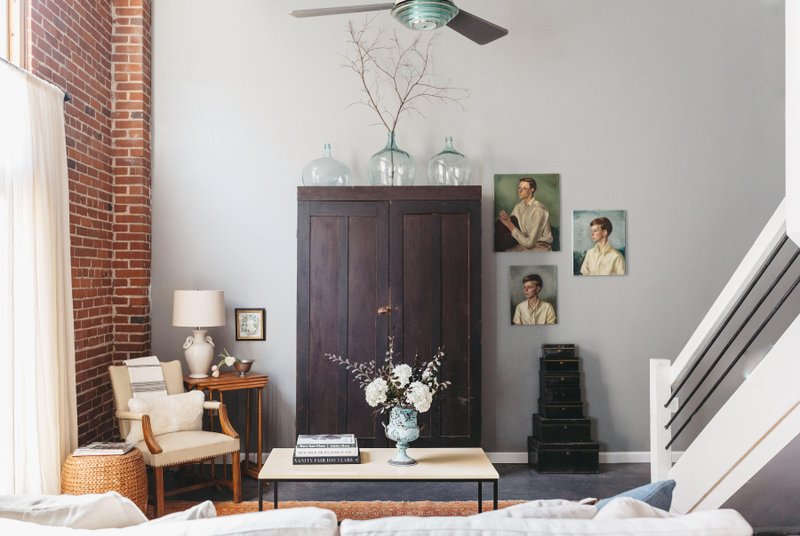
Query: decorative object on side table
point(251, 324)
point(394, 78)
point(449, 167)
point(402, 389)
point(198, 308)
point(242, 366)
point(326, 171)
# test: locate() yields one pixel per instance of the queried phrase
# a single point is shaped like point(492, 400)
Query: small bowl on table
point(242, 366)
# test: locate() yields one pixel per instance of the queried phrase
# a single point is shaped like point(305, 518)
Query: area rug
point(355, 509)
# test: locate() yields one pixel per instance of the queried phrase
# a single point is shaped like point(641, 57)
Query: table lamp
point(195, 309)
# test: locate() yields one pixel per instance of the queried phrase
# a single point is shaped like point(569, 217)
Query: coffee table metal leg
point(494, 490)
point(260, 495)
point(275, 495)
point(480, 496)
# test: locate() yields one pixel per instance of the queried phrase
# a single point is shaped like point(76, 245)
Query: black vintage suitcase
point(563, 457)
point(559, 350)
point(563, 379)
point(560, 394)
point(560, 410)
point(561, 430)
point(561, 364)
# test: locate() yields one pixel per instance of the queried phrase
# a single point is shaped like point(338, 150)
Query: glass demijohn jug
point(449, 167)
point(326, 171)
point(391, 166)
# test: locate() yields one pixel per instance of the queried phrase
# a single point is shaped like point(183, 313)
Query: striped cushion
point(147, 378)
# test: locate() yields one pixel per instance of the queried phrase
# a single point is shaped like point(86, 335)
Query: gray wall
point(672, 111)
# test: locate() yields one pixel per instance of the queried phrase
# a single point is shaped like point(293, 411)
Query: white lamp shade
point(198, 308)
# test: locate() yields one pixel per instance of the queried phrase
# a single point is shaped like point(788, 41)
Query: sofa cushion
point(658, 494)
point(286, 522)
point(711, 523)
point(544, 509)
point(91, 511)
point(283, 522)
point(627, 507)
point(204, 510)
point(173, 413)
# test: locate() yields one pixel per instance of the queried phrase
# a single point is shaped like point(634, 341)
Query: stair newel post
point(660, 385)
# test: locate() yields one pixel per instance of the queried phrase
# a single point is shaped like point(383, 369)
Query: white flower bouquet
point(405, 386)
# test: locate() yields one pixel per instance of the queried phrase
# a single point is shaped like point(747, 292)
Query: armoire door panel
point(455, 319)
point(366, 292)
point(324, 293)
point(417, 289)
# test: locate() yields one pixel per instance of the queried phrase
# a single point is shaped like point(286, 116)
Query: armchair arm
point(211, 404)
point(129, 415)
point(147, 429)
point(225, 423)
point(149, 436)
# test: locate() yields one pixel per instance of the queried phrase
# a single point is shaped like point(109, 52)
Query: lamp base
point(199, 352)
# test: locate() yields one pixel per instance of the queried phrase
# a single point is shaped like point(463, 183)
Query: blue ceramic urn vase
point(402, 429)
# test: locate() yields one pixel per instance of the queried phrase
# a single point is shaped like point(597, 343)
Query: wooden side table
point(125, 474)
point(231, 381)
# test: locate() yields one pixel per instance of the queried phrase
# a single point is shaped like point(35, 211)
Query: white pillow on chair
point(173, 413)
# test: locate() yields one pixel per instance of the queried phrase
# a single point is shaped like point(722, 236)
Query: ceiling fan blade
point(479, 30)
point(301, 13)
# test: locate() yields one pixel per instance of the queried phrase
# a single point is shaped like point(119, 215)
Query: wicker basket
point(125, 474)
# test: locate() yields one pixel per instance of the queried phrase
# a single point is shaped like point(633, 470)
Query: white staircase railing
point(713, 466)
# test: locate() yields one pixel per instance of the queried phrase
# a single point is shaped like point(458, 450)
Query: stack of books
point(326, 448)
point(104, 448)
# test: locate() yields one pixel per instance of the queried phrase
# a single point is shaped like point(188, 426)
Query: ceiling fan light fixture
point(424, 14)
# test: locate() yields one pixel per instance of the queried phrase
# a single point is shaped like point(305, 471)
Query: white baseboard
point(605, 457)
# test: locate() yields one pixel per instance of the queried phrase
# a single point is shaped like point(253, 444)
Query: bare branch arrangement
point(396, 78)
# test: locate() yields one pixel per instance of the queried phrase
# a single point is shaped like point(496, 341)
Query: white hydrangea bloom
point(376, 391)
point(403, 374)
point(419, 396)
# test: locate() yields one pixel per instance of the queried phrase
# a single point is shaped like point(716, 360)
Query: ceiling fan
point(423, 15)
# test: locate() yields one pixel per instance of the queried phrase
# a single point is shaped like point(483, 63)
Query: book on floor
point(104, 448)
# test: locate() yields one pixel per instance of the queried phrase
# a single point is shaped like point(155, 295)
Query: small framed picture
point(250, 324)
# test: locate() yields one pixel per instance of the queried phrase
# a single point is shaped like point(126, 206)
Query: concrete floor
point(517, 481)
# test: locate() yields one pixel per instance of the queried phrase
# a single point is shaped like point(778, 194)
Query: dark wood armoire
point(414, 250)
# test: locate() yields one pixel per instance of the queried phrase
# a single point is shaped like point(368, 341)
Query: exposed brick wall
point(79, 46)
point(130, 137)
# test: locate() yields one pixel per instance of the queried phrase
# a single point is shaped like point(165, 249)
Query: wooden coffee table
point(434, 465)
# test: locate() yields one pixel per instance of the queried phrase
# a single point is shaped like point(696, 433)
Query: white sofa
point(83, 515)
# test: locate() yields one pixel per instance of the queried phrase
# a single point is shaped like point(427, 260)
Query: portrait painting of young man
point(533, 295)
point(598, 242)
point(527, 212)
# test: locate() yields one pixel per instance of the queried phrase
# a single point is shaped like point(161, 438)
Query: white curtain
point(38, 415)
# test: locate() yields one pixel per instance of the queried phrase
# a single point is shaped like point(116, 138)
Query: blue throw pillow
point(658, 494)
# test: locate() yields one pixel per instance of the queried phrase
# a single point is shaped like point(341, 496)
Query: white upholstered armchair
point(179, 447)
